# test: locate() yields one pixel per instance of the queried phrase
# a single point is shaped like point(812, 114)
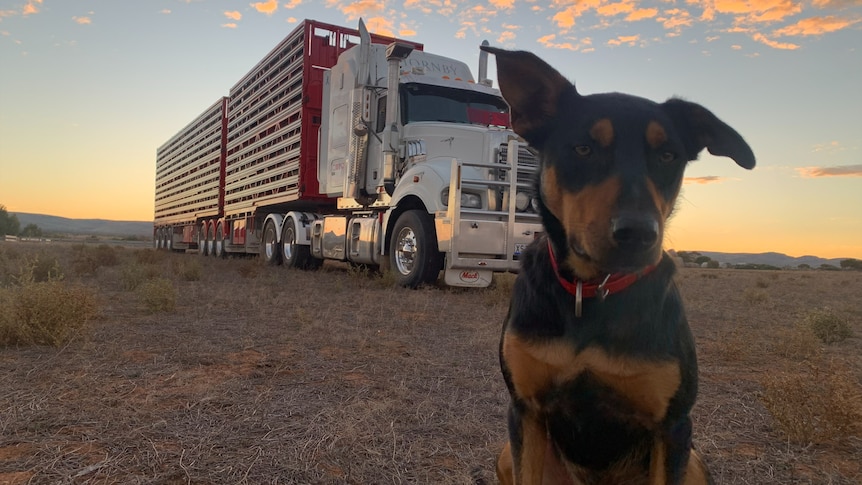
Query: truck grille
point(528, 162)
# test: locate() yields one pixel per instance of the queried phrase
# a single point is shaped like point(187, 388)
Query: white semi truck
point(354, 147)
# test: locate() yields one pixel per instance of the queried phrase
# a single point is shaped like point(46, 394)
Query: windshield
point(423, 102)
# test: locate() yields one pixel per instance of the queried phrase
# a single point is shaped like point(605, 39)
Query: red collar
point(612, 283)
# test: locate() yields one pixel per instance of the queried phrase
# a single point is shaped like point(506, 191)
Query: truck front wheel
point(413, 254)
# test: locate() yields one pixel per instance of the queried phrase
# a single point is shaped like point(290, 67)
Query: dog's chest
point(553, 375)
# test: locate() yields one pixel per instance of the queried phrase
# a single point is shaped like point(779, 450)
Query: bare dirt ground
point(268, 375)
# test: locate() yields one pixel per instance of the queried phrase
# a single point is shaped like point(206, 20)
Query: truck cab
point(413, 143)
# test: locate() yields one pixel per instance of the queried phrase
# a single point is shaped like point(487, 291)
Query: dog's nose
point(633, 233)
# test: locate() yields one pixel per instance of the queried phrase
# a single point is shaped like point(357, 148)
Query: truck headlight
point(522, 201)
point(468, 200)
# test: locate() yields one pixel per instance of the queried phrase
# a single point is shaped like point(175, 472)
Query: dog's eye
point(667, 157)
point(583, 150)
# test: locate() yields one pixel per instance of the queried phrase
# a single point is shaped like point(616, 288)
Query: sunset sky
point(90, 88)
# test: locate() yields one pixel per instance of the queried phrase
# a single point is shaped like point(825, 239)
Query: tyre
point(203, 250)
point(219, 247)
point(295, 255)
point(413, 254)
point(270, 248)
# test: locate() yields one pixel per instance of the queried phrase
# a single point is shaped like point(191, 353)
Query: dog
point(596, 351)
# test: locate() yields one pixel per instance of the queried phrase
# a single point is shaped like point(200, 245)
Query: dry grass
point(820, 402)
point(246, 381)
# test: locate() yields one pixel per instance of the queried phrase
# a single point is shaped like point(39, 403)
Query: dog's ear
point(702, 129)
point(532, 88)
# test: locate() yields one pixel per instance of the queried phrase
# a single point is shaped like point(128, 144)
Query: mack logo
point(468, 276)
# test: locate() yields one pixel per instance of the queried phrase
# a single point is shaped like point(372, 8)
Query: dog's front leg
point(674, 462)
point(522, 460)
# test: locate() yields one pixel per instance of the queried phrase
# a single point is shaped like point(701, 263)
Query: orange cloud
point(165, 11)
point(774, 44)
point(365, 8)
point(642, 13)
point(503, 4)
point(506, 36)
point(566, 18)
point(234, 15)
point(268, 7)
point(548, 41)
point(625, 39)
point(839, 171)
point(31, 7)
point(381, 25)
point(443, 7)
point(709, 179)
point(837, 4)
point(675, 18)
point(815, 26)
point(229, 26)
point(82, 20)
point(292, 4)
point(758, 10)
point(611, 9)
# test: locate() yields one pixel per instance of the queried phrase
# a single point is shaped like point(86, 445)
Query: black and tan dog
point(596, 350)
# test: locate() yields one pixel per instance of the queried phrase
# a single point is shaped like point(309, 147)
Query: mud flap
point(474, 278)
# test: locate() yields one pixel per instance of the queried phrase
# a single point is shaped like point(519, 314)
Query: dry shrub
point(88, 259)
point(39, 268)
point(761, 283)
point(131, 277)
point(827, 325)
point(249, 268)
point(752, 295)
point(799, 342)
point(44, 312)
point(190, 270)
point(149, 256)
point(158, 295)
point(821, 405)
point(734, 345)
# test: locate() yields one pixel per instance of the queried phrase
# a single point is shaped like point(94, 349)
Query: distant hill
point(775, 259)
point(102, 227)
point(96, 227)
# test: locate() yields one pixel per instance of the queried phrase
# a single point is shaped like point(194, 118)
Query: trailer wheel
point(202, 240)
point(219, 249)
point(270, 250)
point(295, 255)
point(413, 254)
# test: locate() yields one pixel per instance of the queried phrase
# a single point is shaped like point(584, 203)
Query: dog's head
point(612, 164)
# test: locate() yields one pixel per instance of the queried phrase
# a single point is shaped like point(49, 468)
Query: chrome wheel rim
point(405, 251)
